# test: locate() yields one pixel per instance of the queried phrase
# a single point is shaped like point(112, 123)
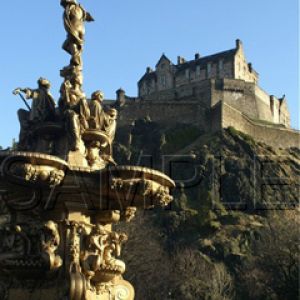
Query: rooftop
point(181, 66)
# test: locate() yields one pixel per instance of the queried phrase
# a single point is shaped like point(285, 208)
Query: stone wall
point(250, 99)
point(189, 112)
point(200, 91)
point(273, 135)
point(242, 69)
point(237, 93)
point(216, 117)
point(263, 105)
point(221, 115)
point(284, 116)
point(215, 104)
point(245, 96)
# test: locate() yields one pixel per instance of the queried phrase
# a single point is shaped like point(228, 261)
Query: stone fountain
point(61, 191)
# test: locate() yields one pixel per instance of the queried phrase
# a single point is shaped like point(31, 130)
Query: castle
point(212, 92)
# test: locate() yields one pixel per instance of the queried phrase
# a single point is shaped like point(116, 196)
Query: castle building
point(211, 92)
point(233, 75)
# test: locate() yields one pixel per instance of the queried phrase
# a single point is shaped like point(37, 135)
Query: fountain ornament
point(61, 190)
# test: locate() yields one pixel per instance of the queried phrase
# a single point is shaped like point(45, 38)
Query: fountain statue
point(61, 191)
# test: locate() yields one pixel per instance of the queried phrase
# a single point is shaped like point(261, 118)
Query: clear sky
point(132, 34)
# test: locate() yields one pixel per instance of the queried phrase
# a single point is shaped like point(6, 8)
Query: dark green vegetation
point(232, 231)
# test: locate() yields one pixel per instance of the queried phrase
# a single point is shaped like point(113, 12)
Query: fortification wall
point(213, 105)
point(276, 136)
point(189, 112)
point(221, 115)
point(216, 117)
point(200, 91)
point(248, 98)
point(237, 93)
point(263, 105)
point(187, 104)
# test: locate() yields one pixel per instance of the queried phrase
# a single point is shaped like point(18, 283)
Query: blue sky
point(130, 35)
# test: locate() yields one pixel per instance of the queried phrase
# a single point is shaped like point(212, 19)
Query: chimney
point(180, 60)
point(149, 70)
point(238, 44)
point(120, 97)
point(197, 56)
point(250, 67)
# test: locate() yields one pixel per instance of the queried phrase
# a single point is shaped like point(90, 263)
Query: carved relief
point(30, 250)
point(92, 259)
point(37, 174)
point(77, 279)
point(15, 243)
point(99, 260)
point(153, 192)
point(123, 290)
point(50, 240)
point(129, 213)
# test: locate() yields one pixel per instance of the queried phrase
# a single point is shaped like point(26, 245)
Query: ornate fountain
point(61, 191)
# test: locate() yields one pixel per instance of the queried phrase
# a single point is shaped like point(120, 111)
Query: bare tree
point(195, 277)
point(273, 270)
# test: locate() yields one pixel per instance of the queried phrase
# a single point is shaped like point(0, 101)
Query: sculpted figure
point(102, 119)
point(74, 108)
point(50, 240)
point(113, 250)
point(97, 113)
point(102, 249)
point(74, 18)
point(129, 213)
point(93, 258)
point(15, 243)
point(42, 108)
point(110, 124)
point(96, 245)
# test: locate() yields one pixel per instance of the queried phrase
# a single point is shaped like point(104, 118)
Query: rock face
point(231, 232)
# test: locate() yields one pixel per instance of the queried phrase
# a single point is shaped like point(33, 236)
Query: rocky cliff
point(232, 230)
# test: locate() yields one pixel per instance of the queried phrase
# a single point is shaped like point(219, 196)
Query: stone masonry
point(189, 92)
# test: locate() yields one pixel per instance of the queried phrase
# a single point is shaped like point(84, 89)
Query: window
point(163, 81)
point(148, 88)
point(208, 69)
point(221, 65)
point(187, 74)
point(198, 71)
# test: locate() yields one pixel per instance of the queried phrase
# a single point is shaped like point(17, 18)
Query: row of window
point(208, 69)
point(163, 78)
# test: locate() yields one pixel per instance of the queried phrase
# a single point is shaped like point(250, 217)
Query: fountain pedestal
point(59, 242)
